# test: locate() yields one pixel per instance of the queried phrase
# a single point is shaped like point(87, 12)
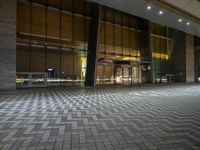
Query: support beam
point(146, 53)
point(179, 56)
point(93, 45)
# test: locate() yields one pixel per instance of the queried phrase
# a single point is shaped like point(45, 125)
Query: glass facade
point(162, 45)
point(120, 48)
point(52, 45)
point(52, 39)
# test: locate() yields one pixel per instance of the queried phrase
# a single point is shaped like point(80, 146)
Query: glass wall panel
point(53, 3)
point(53, 27)
point(67, 5)
point(100, 74)
point(109, 74)
point(102, 39)
point(79, 6)
point(79, 35)
point(126, 41)
point(53, 65)
point(67, 67)
point(37, 59)
point(23, 58)
point(38, 14)
point(118, 40)
point(119, 47)
point(52, 41)
point(23, 20)
point(77, 67)
point(109, 38)
point(162, 47)
point(67, 30)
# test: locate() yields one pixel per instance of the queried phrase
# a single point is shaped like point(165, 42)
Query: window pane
point(37, 59)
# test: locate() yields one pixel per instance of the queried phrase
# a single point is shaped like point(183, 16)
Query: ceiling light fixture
point(148, 7)
point(187, 23)
point(160, 12)
point(180, 20)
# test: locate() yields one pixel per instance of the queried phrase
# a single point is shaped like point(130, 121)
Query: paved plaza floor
point(147, 117)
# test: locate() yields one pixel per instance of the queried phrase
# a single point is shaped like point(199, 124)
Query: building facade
point(77, 42)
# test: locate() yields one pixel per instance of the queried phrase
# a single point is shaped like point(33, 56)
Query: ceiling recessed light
point(187, 23)
point(180, 20)
point(160, 12)
point(148, 7)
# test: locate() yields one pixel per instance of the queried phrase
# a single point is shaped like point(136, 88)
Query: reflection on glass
point(52, 37)
point(162, 45)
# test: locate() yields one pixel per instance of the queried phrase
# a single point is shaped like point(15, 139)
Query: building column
point(190, 58)
point(8, 44)
point(93, 45)
point(197, 58)
point(146, 53)
point(179, 56)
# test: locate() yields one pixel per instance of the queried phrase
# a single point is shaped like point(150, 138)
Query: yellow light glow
point(129, 58)
point(160, 56)
point(83, 66)
point(135, 53)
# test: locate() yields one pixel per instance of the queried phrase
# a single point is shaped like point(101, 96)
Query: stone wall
point(7, 44)
point(189, 58)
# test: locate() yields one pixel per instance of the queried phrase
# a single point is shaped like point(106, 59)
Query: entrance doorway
point(124, 72)
point(122, 75)
point(127, 75)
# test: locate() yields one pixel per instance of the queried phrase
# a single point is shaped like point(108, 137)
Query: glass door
point(136, 74)
point(123, 75)
point(118, 75)
point(126, 76)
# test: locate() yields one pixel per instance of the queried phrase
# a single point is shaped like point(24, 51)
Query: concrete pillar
point(190, 58)
point(179, 56)
point(93, 45)
point(197, 58)
point(146, 53)
point(7, 44)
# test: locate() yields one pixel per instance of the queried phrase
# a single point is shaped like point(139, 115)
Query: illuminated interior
point(52, 45)
point(52, 42)
point(162, 45)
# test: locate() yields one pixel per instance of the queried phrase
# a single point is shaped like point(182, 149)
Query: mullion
point(73, 38)
point(60, 48)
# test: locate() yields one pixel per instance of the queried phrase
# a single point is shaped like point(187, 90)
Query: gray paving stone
point(110, 118)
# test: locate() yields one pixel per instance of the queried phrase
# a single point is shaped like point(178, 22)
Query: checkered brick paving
point(102, 118)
